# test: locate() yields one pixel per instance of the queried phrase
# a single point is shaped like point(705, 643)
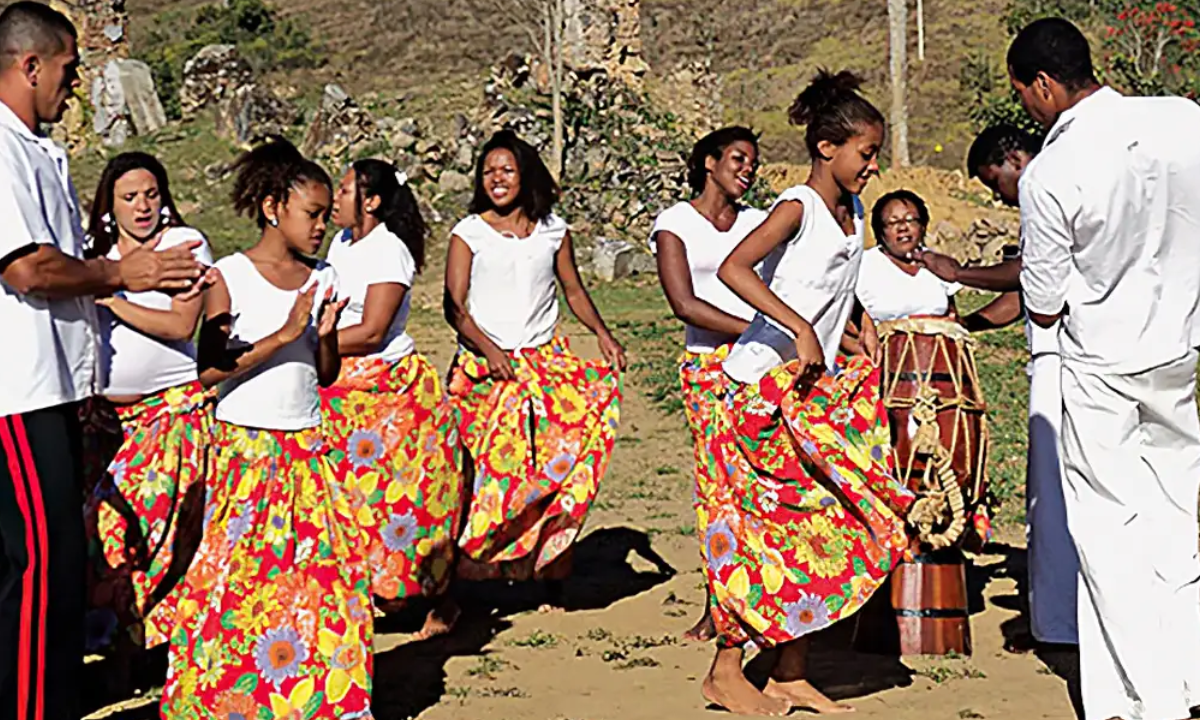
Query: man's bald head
point(33, 28)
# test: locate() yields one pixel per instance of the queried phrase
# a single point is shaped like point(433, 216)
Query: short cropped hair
point(33, 26)
point(1053, 46)
point(993, 145)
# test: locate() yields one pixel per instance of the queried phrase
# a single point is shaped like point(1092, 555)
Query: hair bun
point(825, 91)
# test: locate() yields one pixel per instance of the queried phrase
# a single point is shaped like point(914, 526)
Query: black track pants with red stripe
point(42, 565)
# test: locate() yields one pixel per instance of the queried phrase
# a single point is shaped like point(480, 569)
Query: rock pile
point(983, 243)
point(340, 129)
point(219, 81)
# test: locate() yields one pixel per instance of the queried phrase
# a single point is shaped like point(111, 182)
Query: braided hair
point(269, 172)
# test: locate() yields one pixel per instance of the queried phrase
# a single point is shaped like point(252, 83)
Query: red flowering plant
point(1153, 48)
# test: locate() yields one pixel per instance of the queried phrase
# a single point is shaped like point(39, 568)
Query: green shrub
point(265, 40)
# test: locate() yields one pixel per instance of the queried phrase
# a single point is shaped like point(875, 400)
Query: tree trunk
point(921, 30)
point(898, 67)
point(556, 12)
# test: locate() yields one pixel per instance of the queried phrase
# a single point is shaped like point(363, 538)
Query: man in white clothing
point(47, 310)
point(1110, 215)
point(998, 158)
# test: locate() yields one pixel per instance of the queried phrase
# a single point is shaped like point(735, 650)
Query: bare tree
point(921, 30)
point(898, 66)
point(544, 21)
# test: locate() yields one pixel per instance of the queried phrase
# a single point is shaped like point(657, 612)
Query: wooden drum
point(939, 431)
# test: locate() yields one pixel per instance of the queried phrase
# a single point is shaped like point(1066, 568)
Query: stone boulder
point(211, 77)
point(617, 259)
point(340, 128)
point(125, 102)
point(219, 82)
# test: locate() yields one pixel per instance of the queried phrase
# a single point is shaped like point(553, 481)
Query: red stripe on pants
point(39, 510)
point(23, 653)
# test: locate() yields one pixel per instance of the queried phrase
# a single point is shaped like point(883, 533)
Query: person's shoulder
point(751, 214)
point(796, 193)
point(468, 226)
point(553, 224)
point(179, 235)
point(673, 218)
point(231, 261)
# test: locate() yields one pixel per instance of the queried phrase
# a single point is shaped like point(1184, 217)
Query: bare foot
point(440, 620)
point(735, 693)
point(801, 694)
point(703, 631)
point(550, 609)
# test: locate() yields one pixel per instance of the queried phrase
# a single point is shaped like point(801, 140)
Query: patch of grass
point(969, 714)
point(641, 642)
point(665, 470)
point(640, 662)
point(511, 692)
point(488, 666)
point(598, 635)
point(459, 693)
point(536, 639)
point(948, 669)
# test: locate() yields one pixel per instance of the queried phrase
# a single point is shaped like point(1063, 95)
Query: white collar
point(1092, 102)
point(9, 119)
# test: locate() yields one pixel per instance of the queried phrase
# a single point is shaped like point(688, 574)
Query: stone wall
point(604, 35)
point(103, 27)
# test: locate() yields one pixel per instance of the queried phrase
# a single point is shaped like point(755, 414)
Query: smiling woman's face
point(903, 231)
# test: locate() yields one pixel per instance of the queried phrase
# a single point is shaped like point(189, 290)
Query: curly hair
point(270, 171)
point(713, 145)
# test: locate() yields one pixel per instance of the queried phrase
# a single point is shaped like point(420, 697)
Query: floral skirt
point(144, 514)
point(816, 524)
point(274, 619)
point(540, 446)
point(395, 439)
point(705, 385)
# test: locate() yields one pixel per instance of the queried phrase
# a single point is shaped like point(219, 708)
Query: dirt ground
point(615, 653)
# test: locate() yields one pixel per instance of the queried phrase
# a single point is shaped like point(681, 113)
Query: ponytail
point(833, 109)
point(398, 209)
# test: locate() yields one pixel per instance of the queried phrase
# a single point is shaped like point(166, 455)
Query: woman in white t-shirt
point(144, 512)
point(690, 241)
point(819, 519)
point(891, 284)
point(387, 416)
point(279, 591)
point(538, 421)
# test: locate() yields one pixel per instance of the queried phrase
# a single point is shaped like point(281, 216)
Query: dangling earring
point(273, 222)
point(109, 226)
point(165, 212)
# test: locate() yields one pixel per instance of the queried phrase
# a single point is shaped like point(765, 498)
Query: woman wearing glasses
point(891, 284)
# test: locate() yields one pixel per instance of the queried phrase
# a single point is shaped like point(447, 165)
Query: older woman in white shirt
point(891, 284)
point(538, 421)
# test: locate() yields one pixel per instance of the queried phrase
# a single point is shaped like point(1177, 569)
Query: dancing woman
point(538, 422)
point(144, 514)
point(820, 523)
point(690, 241)
point(275, 619)
point(387, 416)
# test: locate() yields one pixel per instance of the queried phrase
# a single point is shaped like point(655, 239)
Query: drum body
point(937, 413)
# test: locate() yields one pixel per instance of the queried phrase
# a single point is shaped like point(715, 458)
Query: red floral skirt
point(539, 446)
point(395, 439)
point(817, 518)
point(274, 619)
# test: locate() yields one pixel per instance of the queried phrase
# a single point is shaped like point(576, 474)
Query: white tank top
point(814, 273)
point(707, 247)
point(134, 363)
point(281, 393)
point(379, 257)
point(513, 294)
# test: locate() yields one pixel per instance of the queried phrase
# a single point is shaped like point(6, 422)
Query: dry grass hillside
point(433, 53)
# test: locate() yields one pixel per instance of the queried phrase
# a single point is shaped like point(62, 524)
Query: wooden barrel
point(929, 595)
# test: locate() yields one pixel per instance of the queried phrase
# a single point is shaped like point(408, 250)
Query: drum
point(939, 429)
point(938, 419)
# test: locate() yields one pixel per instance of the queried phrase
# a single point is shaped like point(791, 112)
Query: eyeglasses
point(895, 223)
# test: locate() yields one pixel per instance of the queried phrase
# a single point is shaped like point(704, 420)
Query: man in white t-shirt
point(998, 158)
point(1110, 215)
point(48, 314)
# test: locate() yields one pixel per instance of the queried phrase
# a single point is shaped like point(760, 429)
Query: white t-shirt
point(281, 393)
point(814, 273)
point(50, 355)
point(379, 257)
point(887, 292)
point(513, 295)
point(707, 247)
point(1110, 223)
point(134, 363)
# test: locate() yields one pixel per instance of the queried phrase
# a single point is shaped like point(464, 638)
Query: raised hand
point(211, 275)
point(331, 310)
point(300, 316)
point(148, 269)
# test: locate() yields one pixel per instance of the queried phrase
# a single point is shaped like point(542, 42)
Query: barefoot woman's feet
point(441, 619)
point(734, 693)
point(801, 694)
point(703, 631)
